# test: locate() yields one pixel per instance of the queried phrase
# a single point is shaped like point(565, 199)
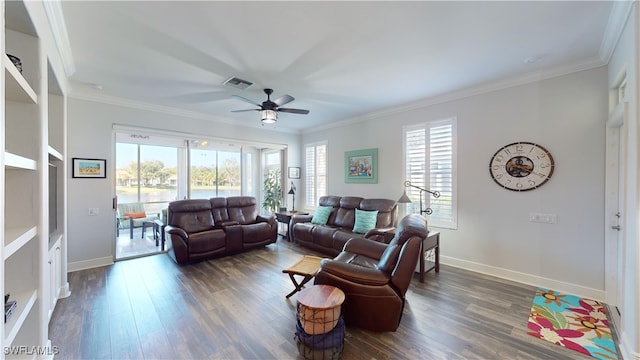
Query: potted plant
point(272, 188)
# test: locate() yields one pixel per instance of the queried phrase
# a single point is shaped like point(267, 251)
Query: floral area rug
point(576, 323)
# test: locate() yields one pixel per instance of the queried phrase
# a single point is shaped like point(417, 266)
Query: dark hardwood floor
point(235, 308)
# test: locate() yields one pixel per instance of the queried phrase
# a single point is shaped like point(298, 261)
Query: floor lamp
point(404, 199)
point(292, 191)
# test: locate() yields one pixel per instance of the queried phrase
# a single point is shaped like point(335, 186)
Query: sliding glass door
point(214, 173)
point(147, 175)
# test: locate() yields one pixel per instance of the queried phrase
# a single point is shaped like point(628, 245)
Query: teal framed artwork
point(361, 166)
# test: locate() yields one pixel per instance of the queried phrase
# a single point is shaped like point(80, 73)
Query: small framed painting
point(361, 166)
point(294, 173)
point(89, 168)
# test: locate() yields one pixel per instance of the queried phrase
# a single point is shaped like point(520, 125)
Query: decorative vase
point(16, 61)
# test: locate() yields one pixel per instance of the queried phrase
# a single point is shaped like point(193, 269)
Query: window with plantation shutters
point(430, 163)
point(315, 173)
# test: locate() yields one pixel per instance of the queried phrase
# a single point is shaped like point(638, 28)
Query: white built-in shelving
point(16, 87)
point(33, 119)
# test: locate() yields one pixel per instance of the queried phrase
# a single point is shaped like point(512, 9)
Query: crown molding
point(53, 9)
point(532, 77)
point(167, 110)
point(618, 18)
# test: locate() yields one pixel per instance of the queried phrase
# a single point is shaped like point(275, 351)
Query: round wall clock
point(521, 166)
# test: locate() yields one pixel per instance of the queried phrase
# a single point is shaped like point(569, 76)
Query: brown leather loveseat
point(329, 238)
point(201, 229)
point(375, 276)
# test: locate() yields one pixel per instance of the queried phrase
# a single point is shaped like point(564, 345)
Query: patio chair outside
point(133, 215)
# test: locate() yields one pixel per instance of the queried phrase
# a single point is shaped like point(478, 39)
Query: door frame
point(614, 205)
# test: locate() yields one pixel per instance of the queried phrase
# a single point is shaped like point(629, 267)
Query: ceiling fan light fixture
point(269, 116)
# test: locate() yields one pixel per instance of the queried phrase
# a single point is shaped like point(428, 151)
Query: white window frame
point(313, 191)
point(427, 181)
point(266, 167)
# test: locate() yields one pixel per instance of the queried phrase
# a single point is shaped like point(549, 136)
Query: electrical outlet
point(94, 211)
point(543, 218)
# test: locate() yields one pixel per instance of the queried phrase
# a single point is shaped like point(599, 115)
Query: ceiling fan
point(269, 109)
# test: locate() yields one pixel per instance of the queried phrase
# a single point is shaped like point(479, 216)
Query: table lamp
point(292, 191)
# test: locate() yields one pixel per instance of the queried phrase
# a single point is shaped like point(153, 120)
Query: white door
point(614, 203)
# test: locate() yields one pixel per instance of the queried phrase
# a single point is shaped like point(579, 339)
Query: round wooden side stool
point(320, 327)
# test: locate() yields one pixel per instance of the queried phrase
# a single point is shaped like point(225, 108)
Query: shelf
point(13, 161)
point(16, 87)
point(25, 302)
point(55, 153)
point(33, 127)
point(16, 238)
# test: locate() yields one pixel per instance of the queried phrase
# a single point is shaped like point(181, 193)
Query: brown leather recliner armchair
point(375, 276)
point(191, 231)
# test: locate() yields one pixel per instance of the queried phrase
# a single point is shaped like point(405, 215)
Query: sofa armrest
point(124, 218)
point(369, 248)
point(383, 235)
point(268, 219)
point(169, 229)
point(355, 273)
point(300, 218)
point(178, 238)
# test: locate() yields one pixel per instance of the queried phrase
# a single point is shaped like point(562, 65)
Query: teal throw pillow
point(321, 216)
point(365, 221)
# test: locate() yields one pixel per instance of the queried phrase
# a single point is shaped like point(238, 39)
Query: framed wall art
point(294, 173)
point(89, 168)
point(361, 166)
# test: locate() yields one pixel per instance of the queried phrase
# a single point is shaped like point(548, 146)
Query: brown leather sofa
point(330, 238)
point(201, 229)
point(375, 276)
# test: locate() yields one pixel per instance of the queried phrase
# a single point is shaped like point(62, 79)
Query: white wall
point(567, 116)
point(625, 59)
point(91, 238)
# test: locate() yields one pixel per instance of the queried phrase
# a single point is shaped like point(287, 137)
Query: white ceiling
point(340, 60)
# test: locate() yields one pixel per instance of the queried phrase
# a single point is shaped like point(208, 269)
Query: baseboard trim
point(625, 350)
point(525, 278)
point(49, 351)
point(89, 264)
point(65, 291)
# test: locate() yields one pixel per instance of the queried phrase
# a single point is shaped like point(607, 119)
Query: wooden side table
point(285, 218)
point(307, 267)
point(430, 247)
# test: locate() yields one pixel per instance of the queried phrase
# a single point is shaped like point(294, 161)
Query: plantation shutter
point(315, 173)
point(430, 164)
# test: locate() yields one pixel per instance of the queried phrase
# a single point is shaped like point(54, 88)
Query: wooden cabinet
point(33, 138)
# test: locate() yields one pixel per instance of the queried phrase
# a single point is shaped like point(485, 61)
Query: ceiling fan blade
point(294, 111)
point(245, 100)
point(284, 99)
point(245, 110)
